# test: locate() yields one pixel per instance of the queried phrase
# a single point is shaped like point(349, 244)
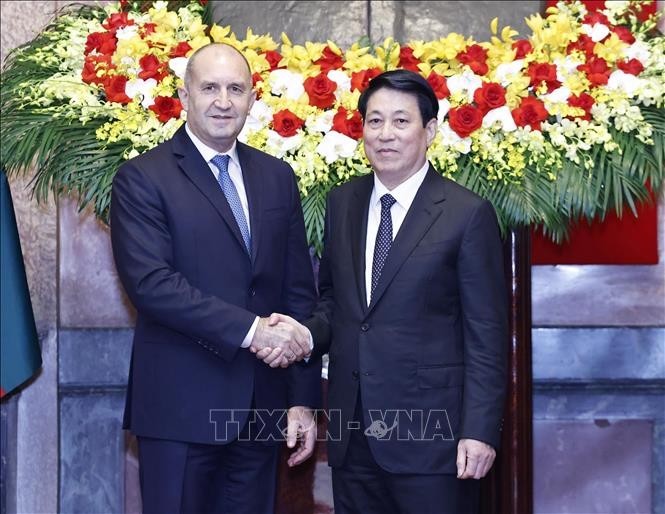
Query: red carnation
point(166, 107)
point(329, 60)
point(321, 91)
point(465, 119)
point(530, 112)
point(407, 60)
point(152, 68)
point(634, 67)
point(624, 34)
point(117, 21)
point(115, 89)
point(93, 64)
point(540, 72)
point(100, 42)
point(352, 127)
point(522, 48)
point(489, 96)
point(584, 44)
point(273, 57)
point(360, 79)
point(147, 29)
point(180, 50)
point(596, 17)
point(439, 85)
point(596, 71)
point(475, 56)
point(285, 123)
point(583, 101)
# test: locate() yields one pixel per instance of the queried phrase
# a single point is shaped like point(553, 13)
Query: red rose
point(321, 91)
point(352, 127)
point(583, 101)
point(530, 112)
point(407, 60)
point(439, 85)
point(543, 72)
point(475, 56)
point(465, 119)
point(117, 21)
point(596, 71)
point(360, 79)
point(256, 78)
point(180, 50)
point(634, 67)
point(584, 44)
point(329, 60)
point(285, 123)
point(147, 29)
point(596, 17)
point(166, 107)
point(152, 68)
point(101, 42)
point(522, 48)
point(642, 10)
point(273, 58)
point(93, 64)
point(624, 34)
point(115, 89)
point(490, 96)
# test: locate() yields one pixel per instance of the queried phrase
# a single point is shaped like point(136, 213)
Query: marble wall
point(599, 331)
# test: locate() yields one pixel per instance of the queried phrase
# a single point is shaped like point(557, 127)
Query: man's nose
point(386, 131)
point(223, 100)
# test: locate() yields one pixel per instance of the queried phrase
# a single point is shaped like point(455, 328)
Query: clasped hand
point(280, 340)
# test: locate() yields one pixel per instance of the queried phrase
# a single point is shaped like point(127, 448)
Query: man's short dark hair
point(408, 82)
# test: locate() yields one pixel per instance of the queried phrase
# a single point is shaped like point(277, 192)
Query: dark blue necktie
point(231, 193)
point(384, 239)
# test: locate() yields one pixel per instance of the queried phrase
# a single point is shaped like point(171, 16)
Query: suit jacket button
point(364, 327)
point(355, 374)
point(252, 292)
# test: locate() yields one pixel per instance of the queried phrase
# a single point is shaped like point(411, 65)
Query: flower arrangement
point(564, 123)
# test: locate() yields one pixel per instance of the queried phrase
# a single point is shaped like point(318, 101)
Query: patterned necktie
point(384, 239)
point(231, 193)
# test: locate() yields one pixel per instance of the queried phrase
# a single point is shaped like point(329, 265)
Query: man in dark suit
point(413, 313)
point(209, 239)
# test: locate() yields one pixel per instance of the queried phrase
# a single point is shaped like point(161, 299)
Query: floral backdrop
point(562, 123)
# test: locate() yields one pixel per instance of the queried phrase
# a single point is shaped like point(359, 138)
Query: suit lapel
point(358, 212)
point(425, 209)
point(198, 171)
point(251, 177)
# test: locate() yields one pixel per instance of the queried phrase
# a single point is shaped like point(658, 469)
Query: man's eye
point(374, 121)
point(401, 121)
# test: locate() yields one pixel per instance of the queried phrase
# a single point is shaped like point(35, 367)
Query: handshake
point(280, 340)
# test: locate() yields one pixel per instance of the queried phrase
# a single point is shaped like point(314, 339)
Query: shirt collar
point(405, 192)
point(208, 153)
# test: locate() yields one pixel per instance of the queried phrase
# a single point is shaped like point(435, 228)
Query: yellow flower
point(164, 17)
point(388, 54)
point(611, 49)
point(358, 58)
point(220, 34)
point(255, 42)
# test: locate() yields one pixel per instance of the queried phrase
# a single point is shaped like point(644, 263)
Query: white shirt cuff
point(250, 334)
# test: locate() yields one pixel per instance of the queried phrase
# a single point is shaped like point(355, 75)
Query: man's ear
point(431, 127)
point(183, 96)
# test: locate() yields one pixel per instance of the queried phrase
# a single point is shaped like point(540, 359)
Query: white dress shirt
point(404, 195)
point(235, 172)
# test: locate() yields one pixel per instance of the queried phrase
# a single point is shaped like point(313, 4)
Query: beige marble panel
point(90, 293)
point(421, 19)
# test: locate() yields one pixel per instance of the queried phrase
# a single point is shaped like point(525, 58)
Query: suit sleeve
point(485, 324)
point(299, 298)
point(143, 253)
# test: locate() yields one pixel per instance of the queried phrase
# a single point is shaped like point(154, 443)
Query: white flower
point(638, 50)
point(597, 31)
point(624, 82)
point(566, 67)
point(279, 146)
point(286, 83)
point(444, 107)
point(559, 95)
point(142, 88)
point(127, 32)
point(505, 71)
point(260, 115)
point(450, 138)
point(322, 122)
point(335, 145)
point(178, 66)
point(501, 114)
point(342, 80)
point(466, 82)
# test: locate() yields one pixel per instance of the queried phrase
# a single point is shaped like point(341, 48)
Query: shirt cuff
point(250, 334)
